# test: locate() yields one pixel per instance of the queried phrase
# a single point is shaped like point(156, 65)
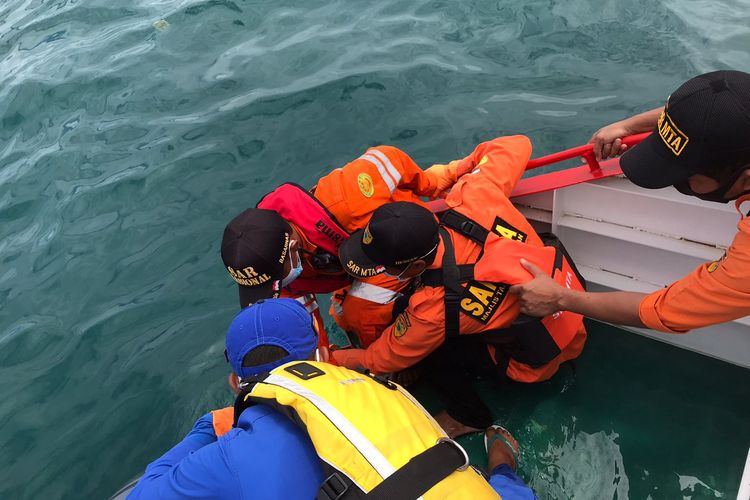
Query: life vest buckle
point(467, 227)
point(333, 488)
point(460, 449)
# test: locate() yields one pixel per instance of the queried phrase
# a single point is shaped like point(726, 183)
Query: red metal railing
point(591, 170)
point(586, 152)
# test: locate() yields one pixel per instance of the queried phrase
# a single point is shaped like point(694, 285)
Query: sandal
point(499, 436)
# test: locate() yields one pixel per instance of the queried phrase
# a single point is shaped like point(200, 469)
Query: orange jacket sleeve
point(223, 420)
point(416, 333)
point(500, 162)
point(714, 293)
point(409, 176)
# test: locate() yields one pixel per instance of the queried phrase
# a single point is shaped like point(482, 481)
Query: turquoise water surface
point(131, 132)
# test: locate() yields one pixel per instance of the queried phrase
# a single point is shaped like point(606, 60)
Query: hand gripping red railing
point(591, 170)
point(568, 177)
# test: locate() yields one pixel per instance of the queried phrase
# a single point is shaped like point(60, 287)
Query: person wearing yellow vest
point(371, 438)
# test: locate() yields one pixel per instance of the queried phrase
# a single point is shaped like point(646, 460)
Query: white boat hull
point(623, 237)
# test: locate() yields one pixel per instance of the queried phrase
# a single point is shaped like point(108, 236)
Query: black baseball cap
point(254, 248)
point(704, 129)
point(398, 233)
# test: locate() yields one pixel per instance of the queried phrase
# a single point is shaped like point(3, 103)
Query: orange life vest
point(321, 228)
point(478, 289)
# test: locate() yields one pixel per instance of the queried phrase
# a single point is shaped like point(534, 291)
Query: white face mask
point(295, 271)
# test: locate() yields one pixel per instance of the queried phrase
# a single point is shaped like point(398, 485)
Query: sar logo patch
point(401, 325)
point(367, 236)
point(505, 230)
point(481, 299)
point(672, 136)
point(366, 186)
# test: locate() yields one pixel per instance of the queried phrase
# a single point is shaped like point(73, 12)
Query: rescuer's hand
point(464, 166)
point(607, 140)
point(443, 177)
point(541, 296)
point(349, 358)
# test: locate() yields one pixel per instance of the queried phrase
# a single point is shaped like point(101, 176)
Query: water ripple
point(125, 147)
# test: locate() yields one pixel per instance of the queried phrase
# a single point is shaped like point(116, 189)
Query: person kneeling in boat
point(331, 428)
point(461, 321)
point(701, 146)
point(288, 245)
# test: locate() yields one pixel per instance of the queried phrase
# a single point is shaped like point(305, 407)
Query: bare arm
point(543, 296)
point(613, 307)
point(607, 140)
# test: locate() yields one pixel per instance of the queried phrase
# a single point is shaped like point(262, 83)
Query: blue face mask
point(293, 273)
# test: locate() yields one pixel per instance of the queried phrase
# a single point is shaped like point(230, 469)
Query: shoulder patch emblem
point(366, 186)
point(481, 299)
point(367, 235)
point(505, 230)
point(401, 325)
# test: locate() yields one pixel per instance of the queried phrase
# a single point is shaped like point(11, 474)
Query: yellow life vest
point(367, 429)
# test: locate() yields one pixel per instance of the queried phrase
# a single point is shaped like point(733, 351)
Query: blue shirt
point(265, 457)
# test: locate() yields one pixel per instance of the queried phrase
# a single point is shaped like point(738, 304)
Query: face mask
point(718, 195)
point(293, 273)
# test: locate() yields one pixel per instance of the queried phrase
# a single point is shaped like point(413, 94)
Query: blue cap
point(279, 322)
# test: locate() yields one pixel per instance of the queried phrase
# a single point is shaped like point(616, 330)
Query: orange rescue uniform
point(482, 195)
point(714, 293)
point(383, 174)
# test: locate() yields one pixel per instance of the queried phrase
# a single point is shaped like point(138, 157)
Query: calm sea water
point(131, 132)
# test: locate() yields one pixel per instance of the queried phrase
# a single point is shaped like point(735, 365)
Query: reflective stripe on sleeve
point(373, 293)
point(309, 301)
point(388, 165)
point(381, 168)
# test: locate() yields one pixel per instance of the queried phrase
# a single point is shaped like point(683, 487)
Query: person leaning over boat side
point(701, 146)
point(255, 458)
point(288, 245)
point(460, 320)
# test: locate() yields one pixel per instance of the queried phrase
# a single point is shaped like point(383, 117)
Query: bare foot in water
point(500, 451)
point(453, 427)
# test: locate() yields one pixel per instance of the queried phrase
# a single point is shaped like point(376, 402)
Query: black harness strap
point(452, 285)
point(452, 276)
point(410, 481)
point(421, 472)
point(464, 226)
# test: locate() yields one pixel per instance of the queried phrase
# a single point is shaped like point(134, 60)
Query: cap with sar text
point(704, 128)
point(398, 234)
point(254, 248)
point(283, 323)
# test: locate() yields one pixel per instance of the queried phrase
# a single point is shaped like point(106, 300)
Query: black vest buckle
point(333, 488)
